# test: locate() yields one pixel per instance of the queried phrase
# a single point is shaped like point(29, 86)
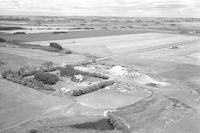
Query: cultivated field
point(119, 44)
point(68, 35)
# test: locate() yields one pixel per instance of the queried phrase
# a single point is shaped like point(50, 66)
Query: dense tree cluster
point(29, 82)
point(56, 45)
point(46, 78)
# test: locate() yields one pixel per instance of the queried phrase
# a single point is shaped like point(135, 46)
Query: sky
point(126, 8)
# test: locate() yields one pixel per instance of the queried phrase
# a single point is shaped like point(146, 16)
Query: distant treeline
point(11, 28)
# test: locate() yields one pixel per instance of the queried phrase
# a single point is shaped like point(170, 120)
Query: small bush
point(47, 78)
point(55, 45)
point(174, 47)
point(2, 40)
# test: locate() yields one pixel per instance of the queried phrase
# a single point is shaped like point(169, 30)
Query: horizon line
point(96, 16)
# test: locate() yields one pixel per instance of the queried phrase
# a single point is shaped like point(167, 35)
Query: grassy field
point(14, 62)
point(110, 99)
point(104, 46)
point(69, 35)
point(19, 103)
point(158, 114)
point(43, 55)
point(179, 64)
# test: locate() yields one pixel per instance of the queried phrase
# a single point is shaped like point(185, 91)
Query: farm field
point(119, 44)
point(68, 35)
point(172, 63)
point(183, 53)
point(19, 104)
point(145, 74)
point(164, 62)
point(178, 66)
point(45, 56)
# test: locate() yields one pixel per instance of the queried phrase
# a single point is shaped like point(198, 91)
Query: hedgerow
point(31, 82)
point(69, 71)
point(89, 89)
point(40, 71)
